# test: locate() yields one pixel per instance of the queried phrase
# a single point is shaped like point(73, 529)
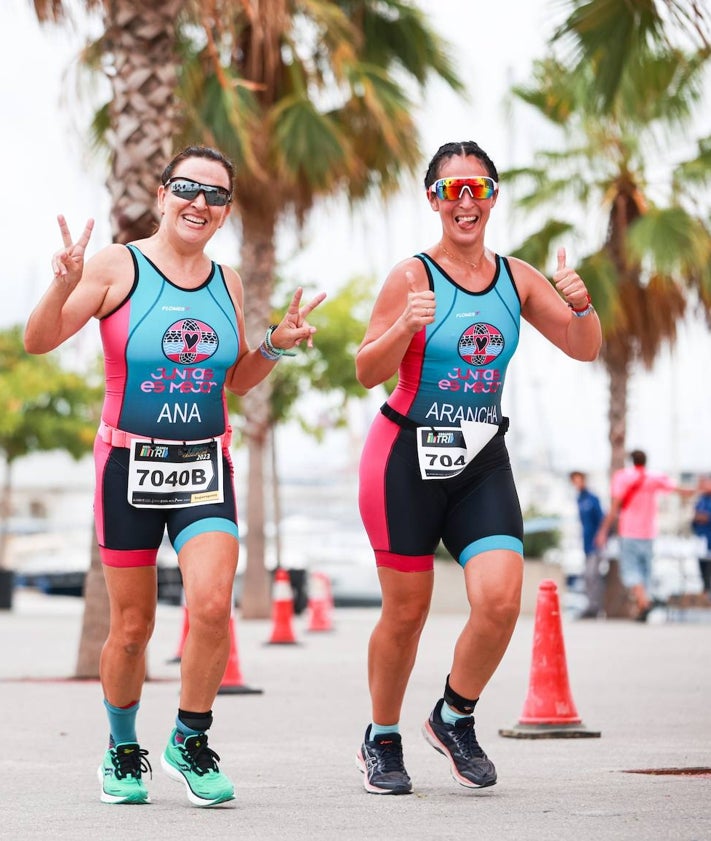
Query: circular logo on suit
point(189, 341)
point(480, 344)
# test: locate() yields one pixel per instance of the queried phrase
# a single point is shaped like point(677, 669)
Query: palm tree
point(616, 36)
point(311, 99)
point(138, 54)
point(654, 259)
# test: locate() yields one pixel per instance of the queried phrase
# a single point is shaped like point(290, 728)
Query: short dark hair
point(451, 150)
point(199, 152)
point(639, 458)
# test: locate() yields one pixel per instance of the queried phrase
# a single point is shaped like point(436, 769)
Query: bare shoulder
point(524, 271)
point(234, 284)
point(112, 261)
point(527, 278)
point(398, 275)
point(110, 273)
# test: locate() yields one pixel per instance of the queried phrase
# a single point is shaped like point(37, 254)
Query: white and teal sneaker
point(193, 763)
point(120, 774)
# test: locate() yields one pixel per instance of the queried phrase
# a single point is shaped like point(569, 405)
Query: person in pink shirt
point(633, 506)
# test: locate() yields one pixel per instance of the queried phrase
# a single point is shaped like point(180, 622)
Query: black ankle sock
point(194, 722)
point(457, 701)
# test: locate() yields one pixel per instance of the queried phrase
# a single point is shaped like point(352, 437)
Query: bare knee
point(211, 616)
point(404, 621)
point(500, 612)
point(132, 631)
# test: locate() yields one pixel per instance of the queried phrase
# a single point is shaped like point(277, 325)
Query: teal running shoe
point(193, 763)
point(120, 774)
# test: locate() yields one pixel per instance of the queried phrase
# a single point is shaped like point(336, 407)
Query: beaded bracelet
point(271, 351)
point(267, 354)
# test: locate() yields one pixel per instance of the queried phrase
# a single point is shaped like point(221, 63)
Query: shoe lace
point(465, 738)
point(131, 762)
point(389, 756)
point(202, 759)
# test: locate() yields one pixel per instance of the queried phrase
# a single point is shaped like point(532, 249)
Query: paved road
point(291, 750)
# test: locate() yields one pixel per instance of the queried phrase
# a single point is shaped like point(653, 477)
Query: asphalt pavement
point(290, 749)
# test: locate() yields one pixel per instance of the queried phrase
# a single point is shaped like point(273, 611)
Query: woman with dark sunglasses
point(435, 467)
point(173, 333)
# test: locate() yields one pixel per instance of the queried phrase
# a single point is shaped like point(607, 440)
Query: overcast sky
point(559, 406)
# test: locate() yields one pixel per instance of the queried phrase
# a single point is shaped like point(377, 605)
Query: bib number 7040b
point(174, 475)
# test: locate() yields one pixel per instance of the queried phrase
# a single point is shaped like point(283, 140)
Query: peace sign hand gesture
point(68, 264)
point(293, 328)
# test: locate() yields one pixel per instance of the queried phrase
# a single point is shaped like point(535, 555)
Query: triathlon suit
point(453, 372)
point(166, 353)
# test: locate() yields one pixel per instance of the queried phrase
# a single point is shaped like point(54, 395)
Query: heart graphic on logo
point(191, 339)
point(481, 342)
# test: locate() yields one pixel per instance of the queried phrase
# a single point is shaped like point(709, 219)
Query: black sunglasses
point(188, 190)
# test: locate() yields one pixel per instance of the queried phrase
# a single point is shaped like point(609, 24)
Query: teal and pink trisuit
point(453, 371)
point(167, 351)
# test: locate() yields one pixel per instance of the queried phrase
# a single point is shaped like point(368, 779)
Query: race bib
point(174, 475)
point(444, 451)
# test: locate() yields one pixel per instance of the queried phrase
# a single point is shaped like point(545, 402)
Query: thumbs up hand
point(570, 285)
point(420, 307)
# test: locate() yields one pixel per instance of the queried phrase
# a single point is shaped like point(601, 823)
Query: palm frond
point(671, 240)
point(616, 38)
point(538, 247)
point(306, 145)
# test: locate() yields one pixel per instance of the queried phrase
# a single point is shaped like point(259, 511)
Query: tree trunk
point(5, 513)
point(256, 591)
point(141, 61)
point(258, 264)
point(617, 356)
point(95, 623)
point(617, 365)
point(276, 498)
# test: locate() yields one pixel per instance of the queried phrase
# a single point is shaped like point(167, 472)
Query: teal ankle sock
point(381, 729)
point(122, 722)
point(449, 715)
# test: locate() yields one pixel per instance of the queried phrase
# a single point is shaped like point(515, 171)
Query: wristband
point(275, 352)
point(267, 354)
point(588, 302)
point(583, 313)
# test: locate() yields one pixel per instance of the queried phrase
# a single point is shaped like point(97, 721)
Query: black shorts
point(406, 516)
point(130, 536)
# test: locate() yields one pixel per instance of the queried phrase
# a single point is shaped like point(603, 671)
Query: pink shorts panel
point(404, 563)
point(128, 558)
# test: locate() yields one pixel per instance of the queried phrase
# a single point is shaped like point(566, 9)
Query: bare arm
point(607, 523)
point(579, 338)
point(77, 291)
point(251, 366)
point(404, 306)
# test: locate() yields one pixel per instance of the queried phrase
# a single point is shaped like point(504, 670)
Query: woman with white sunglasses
point(435, 467)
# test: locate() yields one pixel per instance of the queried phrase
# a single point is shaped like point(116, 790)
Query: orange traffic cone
point(320, 603)
point(282, 610)
point(183, 634)
point(549, 710)
point(232, 683)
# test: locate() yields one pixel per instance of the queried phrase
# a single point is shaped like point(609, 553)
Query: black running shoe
point(468, 763)
point(382, 766)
